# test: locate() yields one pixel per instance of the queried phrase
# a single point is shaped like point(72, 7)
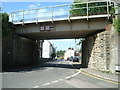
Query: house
point(70, 52)
point(47, 49)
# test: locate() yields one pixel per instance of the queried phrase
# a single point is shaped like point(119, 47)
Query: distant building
point(70, 52)
point(47, 49)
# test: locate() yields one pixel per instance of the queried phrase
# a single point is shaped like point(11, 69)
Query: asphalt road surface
point(55, 74)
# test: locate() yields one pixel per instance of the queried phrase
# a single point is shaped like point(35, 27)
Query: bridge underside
point(62, 29)
point(60, 34)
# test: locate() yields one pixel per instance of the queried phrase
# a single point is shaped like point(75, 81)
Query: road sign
point(45, 28)
point(42, 28)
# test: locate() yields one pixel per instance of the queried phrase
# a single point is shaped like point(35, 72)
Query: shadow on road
point(43, 66)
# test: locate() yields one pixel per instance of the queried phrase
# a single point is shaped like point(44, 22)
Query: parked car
point(59, 58)
point(67, 58)
point(71, 58)
point(75, 59)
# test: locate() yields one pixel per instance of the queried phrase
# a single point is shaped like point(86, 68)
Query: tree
point(117, 24)
point(60, 52)
point(117, 20)
point(6, 25)
point(80, 41)
point(78, 10)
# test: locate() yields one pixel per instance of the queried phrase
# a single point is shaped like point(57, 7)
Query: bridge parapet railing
point(65, 11)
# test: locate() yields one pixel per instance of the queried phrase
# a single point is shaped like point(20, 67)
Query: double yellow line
point(96, 77)
point(99, 78)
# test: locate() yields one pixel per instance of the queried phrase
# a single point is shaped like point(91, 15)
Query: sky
point(16, 6)
point(64, 44)
point(8, 7)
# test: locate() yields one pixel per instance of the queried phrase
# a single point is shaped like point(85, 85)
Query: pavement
point(108, 77)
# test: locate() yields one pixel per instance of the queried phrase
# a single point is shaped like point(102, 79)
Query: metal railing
point(61, 12)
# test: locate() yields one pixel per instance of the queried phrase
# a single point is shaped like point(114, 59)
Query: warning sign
point(44, 28)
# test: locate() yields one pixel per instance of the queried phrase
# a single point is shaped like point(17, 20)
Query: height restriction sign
point(45, 28)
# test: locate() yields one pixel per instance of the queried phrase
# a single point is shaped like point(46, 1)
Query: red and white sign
point(44, 28)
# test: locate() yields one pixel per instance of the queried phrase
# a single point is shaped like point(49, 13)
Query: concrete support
point(25, 52)
point(87, 47)
point(40, 48)
point(7, 51)
point(84, 55)
point(18, 52)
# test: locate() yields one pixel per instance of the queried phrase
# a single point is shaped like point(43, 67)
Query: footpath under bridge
point(63, 21)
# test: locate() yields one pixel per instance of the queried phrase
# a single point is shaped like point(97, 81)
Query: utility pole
point(75, 46)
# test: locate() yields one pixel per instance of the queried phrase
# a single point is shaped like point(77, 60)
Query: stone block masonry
point(114, 49)
point(101, 51)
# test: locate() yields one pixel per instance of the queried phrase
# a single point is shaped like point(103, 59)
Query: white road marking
point(46, 84)
point(55, 81)
point(48, 69)
point(60, 79)
point(52, 82)
point(68, 77)
point(36, 87)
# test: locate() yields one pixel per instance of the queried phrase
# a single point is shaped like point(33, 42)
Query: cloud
point(36, 5)
point(60, 12)
point(42, 10)
point(16, 16)
point(43, 13)
point(46, 13)
point(32, 6)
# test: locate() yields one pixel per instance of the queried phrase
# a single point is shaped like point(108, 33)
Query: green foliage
point(78, 10)
point(118, 74)
point(80, 41)
point(117, 24)
point(60, 52)
point(117, 21)
point(6, 26)
point(105, 72)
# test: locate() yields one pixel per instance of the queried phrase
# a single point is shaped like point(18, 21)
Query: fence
point(62, 11)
